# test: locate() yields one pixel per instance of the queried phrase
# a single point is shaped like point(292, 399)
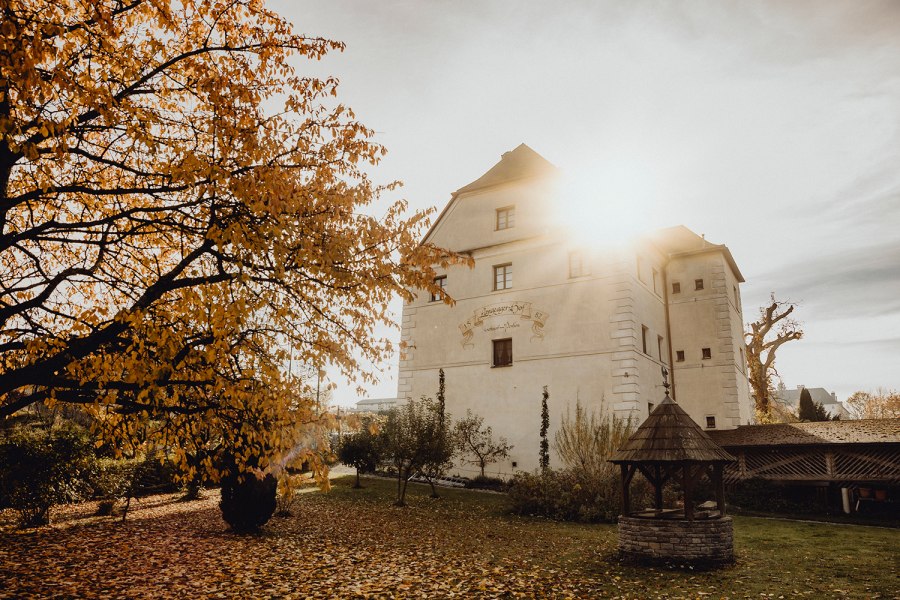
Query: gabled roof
point(520, 163)
point(680, 241)
point(517, 164)
point(670, 435)
point(868, 431)
point(818, 395)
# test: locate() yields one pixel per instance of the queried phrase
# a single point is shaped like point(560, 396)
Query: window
point(640, 269)
point(502, 353)
point(698, 284)
point(441, 282)
point(676, 288)
point(649, 407)
point(506, 217)
point(655, 281)
point(644, 331)
point(710, 422)
point(707, 354)
point(679, 356)
point(503, 276)
point(576, 264)
point(736, 301)
point(659, 348)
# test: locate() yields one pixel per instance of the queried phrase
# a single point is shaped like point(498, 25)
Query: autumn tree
point(774, 328)
point(880, 404)
point(407, 440)
point(475, 439)
point(179, 209)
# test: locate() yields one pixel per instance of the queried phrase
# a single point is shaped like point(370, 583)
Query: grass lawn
point(353, 543)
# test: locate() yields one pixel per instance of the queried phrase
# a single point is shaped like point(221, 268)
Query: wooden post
point(719, 482)
point(688, 484)
point(658, 485)
point(626, 501)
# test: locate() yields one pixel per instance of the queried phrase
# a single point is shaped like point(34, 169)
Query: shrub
point(360, 450)
point(111, 480)
point(486, 483)
point(248, 501)
point(571, 495)
point(41, 467)
point(766, 496)
point(589, 489)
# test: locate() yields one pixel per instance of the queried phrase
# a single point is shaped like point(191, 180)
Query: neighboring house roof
point(670, 435)
point(868, 431)
point(520, 163)
point(818, 395)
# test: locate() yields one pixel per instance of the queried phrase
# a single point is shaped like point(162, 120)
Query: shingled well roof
point(670, 435)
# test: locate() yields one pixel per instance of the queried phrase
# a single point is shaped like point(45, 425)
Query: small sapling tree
point(545, 426)
point(472, 438)
point(361, 450)
point(408, 440)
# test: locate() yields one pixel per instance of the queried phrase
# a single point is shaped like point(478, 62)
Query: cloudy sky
point(772, 127)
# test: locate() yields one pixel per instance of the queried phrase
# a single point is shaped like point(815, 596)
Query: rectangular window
point(659, 348)
point(679, 356)
point(640, 269)
point(506, 217)
point(698, 284)
point(676, 288)
point(710, 422)
point(503, 276)
point(707, 354)
point(576, 264)
point(441, 282)
point(649, 407)
point(644, 332)
point(656, 281)
point(502, 353)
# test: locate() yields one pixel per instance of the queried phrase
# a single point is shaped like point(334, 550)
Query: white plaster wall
point(579, 336)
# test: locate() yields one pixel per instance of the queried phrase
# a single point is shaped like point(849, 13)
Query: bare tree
point(774, 328)
point(478, 441)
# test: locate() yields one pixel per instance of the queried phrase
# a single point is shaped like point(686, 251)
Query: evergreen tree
point(545, 425)
point(808, 410)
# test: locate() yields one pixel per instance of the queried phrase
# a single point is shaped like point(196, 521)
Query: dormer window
point(506, 218)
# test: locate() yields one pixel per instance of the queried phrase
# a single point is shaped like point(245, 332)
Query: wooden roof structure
point(669, 446)
point(669, 435)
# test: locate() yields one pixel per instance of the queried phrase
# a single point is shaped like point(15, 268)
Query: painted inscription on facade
point(503, 317)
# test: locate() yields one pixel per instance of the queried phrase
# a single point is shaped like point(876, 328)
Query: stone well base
point(709, 540)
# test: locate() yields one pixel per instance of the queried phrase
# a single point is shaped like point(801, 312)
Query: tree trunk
point(358, 484)
point(434, 493)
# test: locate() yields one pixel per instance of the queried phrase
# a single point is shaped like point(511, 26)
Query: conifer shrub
point(248, 501)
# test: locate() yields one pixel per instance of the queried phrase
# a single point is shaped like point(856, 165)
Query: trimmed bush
point(248, 501)
point(41, 467)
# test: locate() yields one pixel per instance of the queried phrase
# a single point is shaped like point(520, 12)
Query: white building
point(375, 405)
point(594, 324)
point(828, 400)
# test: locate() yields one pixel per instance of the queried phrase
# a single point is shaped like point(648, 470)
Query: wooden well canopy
point(670, 446)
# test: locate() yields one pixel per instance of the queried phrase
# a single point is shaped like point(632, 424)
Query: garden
point(355, 543)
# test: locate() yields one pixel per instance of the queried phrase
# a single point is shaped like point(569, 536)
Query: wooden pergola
point(669, 446)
